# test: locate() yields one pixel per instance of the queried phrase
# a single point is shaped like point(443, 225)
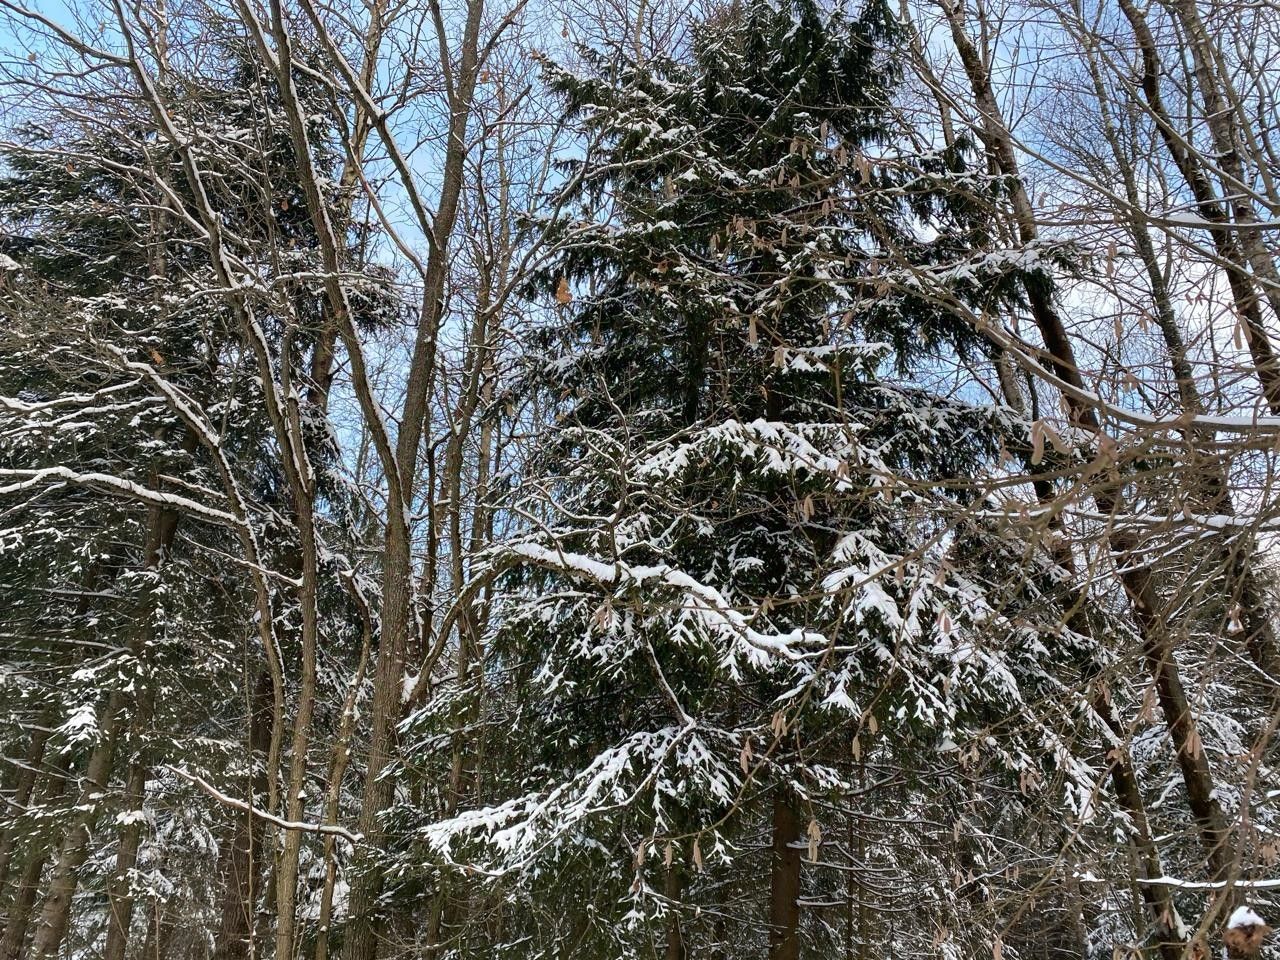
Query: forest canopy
point(632, 478)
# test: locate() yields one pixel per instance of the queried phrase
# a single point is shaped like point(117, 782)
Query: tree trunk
point(22, 907)
point(784, 889)
point(675, 948)
point(1221, 120)
point(160, 929)
point(1154, 628)
point(1260, 638)
point(55, 909)
point(361, 941)
point(1192, 759)
point(120, 888)
point(1161, 911)
point(21, 798)
point(242, 856)
point(401, 465)
point(287, 868)
point(1226, 242)
point(341, 756)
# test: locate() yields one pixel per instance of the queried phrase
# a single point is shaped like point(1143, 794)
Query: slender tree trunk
point(1161, 911)
point(1260, 638)
point(440, 912)
point(361, 940)
point(23, 787)
point(120, 888)
point(243, 855)
point(322, 366)
point(287, 868)
point(469, 638)
point(1153, 626)
point(54, 786)
point(1221, 117)
point(1191, 756)
point(21, 908)
point(1158, 899)
point(1226, 241)
point(784, 889)
point(55, 909)
point(23, 904)
point(160, 929)
point(401, 465)
point(325, 354)
point(337, 770)
point(674, 890)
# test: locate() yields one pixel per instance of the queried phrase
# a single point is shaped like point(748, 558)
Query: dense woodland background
point(639, 478)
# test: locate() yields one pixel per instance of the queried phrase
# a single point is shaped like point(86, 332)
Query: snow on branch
point(523, 828)
point(216, 794)
point(706, 603)
point(27, 479)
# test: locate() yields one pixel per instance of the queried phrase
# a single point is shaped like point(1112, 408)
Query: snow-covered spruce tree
point(757, 575)
point(115, 310)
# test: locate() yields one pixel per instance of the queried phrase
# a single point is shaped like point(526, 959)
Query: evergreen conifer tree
point(130, 606)
point(756, 554)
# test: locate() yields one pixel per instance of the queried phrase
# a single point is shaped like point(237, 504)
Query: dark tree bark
point(674, 889)
point(784, 890)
